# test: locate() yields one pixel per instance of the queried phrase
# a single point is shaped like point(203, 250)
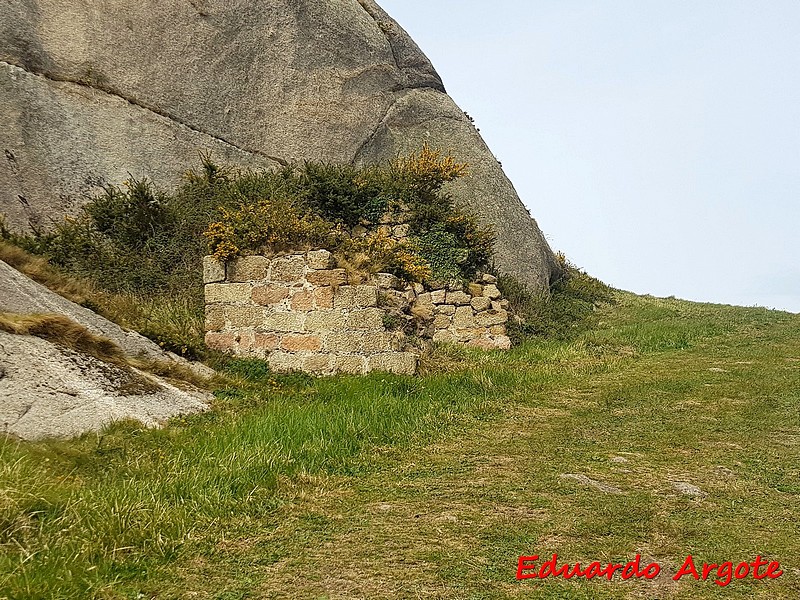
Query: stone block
point(475, 289)
point(491, 317)
point(319, 259)
point(402, 363)
point(344, 297)
point(215, 317)
point(442, 321)
point(285, 321)
point(265, 341)
point(301, 343)
point(269, 294)
point(221, 341)
point(244, 343)
point(470, 333)
point(455, 285)
point(350, 364)
point(344, 341)
point(502, 342)
point(245, 316)
point(482, 342)
point(458, 298)
point(497, 330)
point(491, 292)
point(227, 292)
point(488, 278)
point(213, 270)
point(327, 277)
point(384, 230)
point(386, 280)
point(285, 362)
point(369, 319)
point(444, 337)
point(445, 309)
point(424, 299)
point(317, 363)
point(379, 341)
point(464, 317)
point(248, 268)
point(323, 297)
point(438, 296)
point(366, 296)
point(325, 320)
point(288, 269)
point(401, 231)
point(490, 343)
point(423, 312)
point(480, 303)
point(303, 300)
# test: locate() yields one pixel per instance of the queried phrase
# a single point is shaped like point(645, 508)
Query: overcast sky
point(657, 143)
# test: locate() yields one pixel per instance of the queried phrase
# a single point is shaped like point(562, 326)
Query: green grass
point(395, 487)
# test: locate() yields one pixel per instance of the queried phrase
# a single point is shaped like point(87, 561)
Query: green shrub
point(267, 225)
point(566, 311)
point(315, 203)
point(146, 246)
point(344, 193)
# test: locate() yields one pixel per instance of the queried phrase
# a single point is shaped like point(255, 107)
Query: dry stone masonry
point(301, 313)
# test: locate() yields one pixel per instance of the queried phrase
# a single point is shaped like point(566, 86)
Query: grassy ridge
point(277, 487)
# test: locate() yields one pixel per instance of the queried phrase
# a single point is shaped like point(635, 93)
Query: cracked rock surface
point(50, 391)
point(93, 91)
point(19, 294)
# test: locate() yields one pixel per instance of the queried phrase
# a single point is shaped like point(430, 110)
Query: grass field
point(670, 428)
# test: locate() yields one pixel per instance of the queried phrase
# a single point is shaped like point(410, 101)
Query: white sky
point(657, 143)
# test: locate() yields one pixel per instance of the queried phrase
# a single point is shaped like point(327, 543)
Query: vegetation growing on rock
point(140, 248)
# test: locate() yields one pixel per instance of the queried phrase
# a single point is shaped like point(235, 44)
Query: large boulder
point(93, 91)
point(21, 295)
point(48, 390)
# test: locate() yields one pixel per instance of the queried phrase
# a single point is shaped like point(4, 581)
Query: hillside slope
point(667, 429)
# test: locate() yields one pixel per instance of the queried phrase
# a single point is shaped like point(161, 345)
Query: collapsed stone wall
point(474, 317)
point(300, 313)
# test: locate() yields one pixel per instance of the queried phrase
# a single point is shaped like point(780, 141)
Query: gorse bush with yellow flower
point(136, 240)
point(316, 204)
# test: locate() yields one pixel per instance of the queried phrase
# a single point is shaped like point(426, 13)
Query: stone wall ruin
point(300, 313)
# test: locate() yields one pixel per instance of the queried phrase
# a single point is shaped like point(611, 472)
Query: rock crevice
point(152, 84)
point(138, 104)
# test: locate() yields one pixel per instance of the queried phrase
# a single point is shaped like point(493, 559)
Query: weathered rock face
point(47, 390)
point(50, 390)
point(92, 91)
point(21, 295)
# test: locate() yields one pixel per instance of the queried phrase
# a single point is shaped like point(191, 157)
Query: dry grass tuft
point(64, 331)
point(443, 358)
point(37, 268)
